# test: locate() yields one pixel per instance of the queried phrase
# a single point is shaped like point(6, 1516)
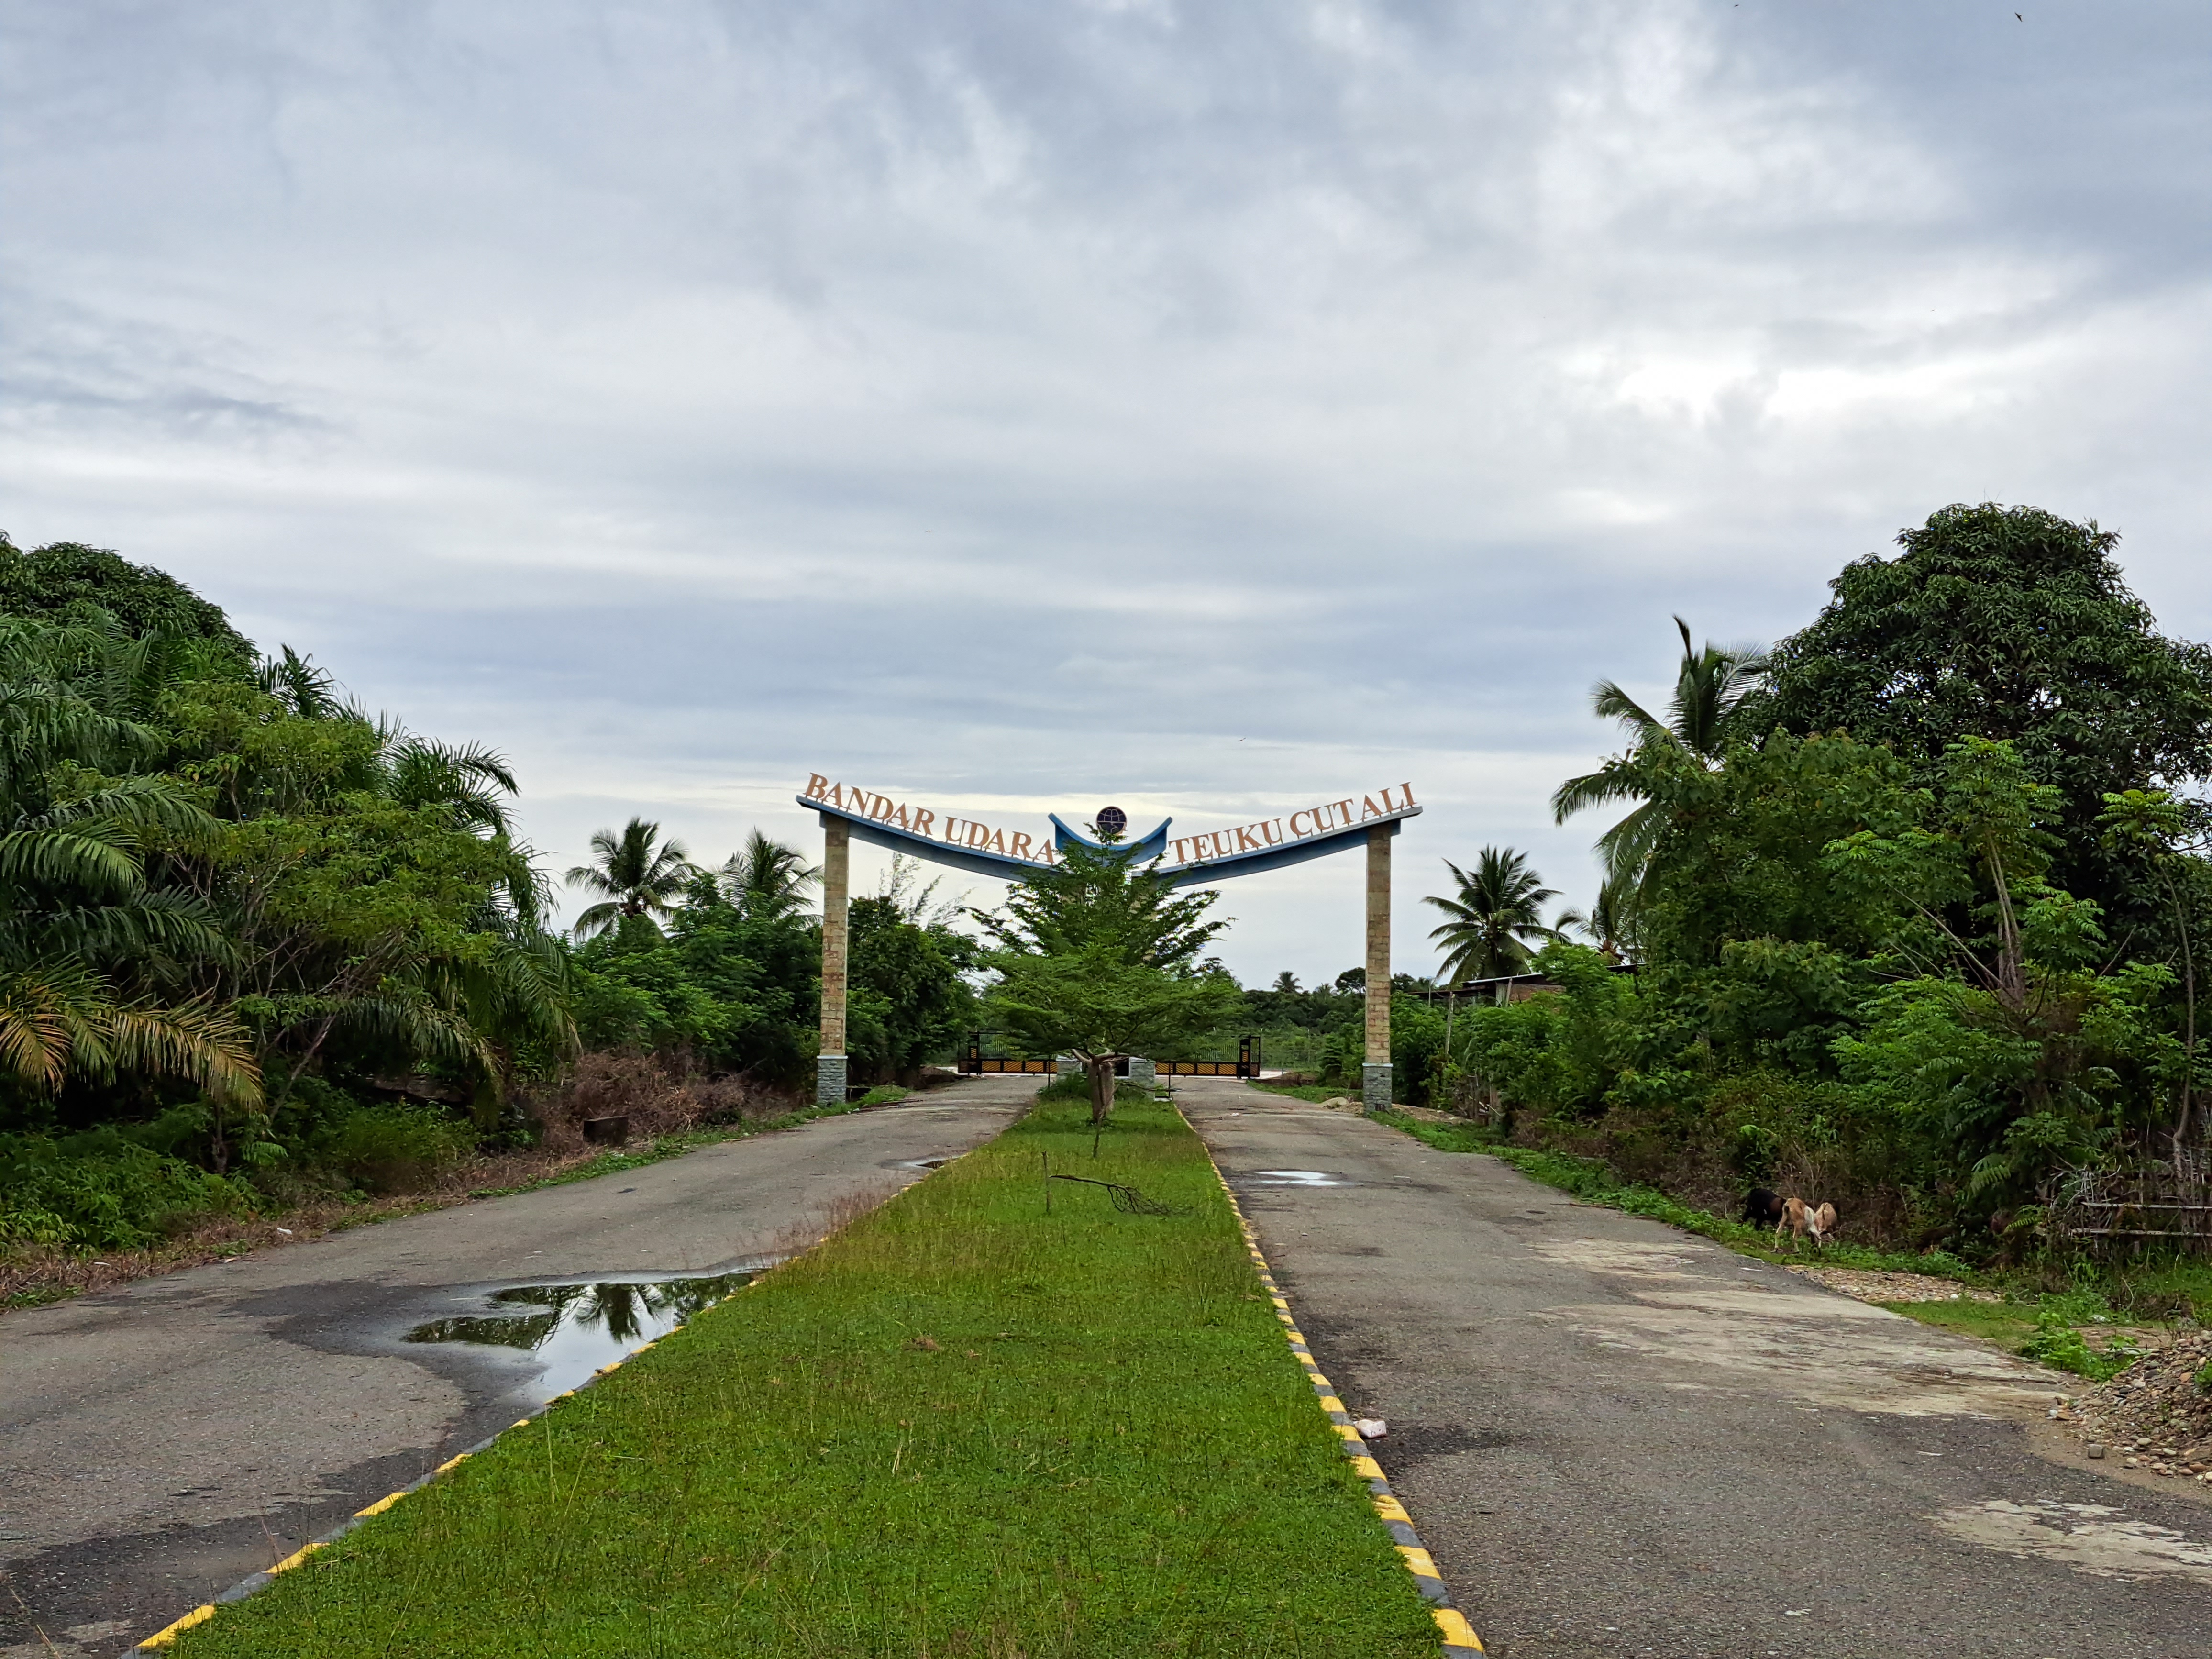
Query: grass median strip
point(961, 1426)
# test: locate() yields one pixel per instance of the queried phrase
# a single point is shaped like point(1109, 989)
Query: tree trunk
point(2189, 1021)
point(1101, 1068)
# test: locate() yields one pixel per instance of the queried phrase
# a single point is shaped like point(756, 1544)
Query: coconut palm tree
point(767, 880)
point(1709, 687)
point(1497, 910)
point(638, 873)
point(1609, 923)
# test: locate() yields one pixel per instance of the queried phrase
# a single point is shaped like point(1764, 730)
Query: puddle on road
point(2091, 1538)
point(1295, 1178)
point(581, 1327)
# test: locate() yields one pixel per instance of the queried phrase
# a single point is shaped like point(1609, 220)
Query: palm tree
point(1497, 911)
point(1708, 689)
point(1610, 923)
point(636, 877)
point(767, 880)
point(92, 956)
point(465, 778)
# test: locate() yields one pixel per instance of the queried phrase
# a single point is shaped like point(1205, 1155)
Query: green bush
point(885, 1094)
point(99, 1191)
point(2058, 1344)
point(397, 1149)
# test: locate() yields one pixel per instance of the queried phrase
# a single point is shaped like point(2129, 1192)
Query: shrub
point(398, 1149)
point(99, 1191)
point(643, 1088)
point(2058, 1344)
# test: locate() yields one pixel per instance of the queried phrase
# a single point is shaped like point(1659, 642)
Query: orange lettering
point(1344, 813)
point(1298, 833)
point(979, 835)
point(1368, 801)
point(1176, 848)
point(815, 783)
point(1244, 841)
point(998, 842)
point(899, 817)
point(923, 817)
point(1386, 802)
point(1273, 829)
point(836, 796)
point(1020, 845)
point(1408, 788)
point(950, 834)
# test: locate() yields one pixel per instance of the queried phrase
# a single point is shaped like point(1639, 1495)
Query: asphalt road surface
point(161, 1442)
point(1620, 1439)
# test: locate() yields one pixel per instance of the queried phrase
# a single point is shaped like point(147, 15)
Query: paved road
point(1619, 1439)
point(161, 1442)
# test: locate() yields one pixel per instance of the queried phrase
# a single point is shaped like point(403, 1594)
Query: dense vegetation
point(1912, 907)
point(260, 946)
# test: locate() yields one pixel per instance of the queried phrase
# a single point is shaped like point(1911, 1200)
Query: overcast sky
point(1210, 408)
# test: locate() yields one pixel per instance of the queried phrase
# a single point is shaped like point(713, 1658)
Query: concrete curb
point(1459, 1636)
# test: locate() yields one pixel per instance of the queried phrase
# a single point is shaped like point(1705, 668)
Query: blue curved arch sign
point(1206, 855)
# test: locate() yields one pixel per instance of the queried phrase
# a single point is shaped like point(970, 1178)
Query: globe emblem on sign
point(1112, 821)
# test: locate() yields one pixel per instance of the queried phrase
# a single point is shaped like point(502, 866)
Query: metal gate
point(975, 1063)
point(1247, 1063)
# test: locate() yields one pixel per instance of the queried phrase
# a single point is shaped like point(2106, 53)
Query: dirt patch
point(1824, 1350)
point(1892, 1287)
point(2090, 1538)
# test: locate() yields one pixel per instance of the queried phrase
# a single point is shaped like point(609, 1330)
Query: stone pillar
point(1375, 1075)
point(836, 878)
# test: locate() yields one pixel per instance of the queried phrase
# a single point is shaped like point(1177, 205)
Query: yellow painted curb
point(1456, 1634)
point(163, 1638)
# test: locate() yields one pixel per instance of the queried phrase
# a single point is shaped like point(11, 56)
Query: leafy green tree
point(2013, 624)
point(71, 583)
point(1097, 957)
point(723, 990)
point(766, 878)
point(906, 985)
point(2155, 823)
point(1495, 910)
point(1711, 687)
point(640, 876)
point(1559, 1053)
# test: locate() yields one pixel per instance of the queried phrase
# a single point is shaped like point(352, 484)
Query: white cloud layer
point(1201, 407)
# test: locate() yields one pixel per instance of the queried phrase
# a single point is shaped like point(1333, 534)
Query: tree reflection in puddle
point(583, 1326)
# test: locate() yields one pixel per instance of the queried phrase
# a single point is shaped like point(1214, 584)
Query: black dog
point(1762, 1208)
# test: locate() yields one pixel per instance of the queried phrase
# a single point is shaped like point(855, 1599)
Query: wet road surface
point(159, 1441)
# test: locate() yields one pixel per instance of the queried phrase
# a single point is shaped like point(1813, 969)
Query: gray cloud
point(1210, 406)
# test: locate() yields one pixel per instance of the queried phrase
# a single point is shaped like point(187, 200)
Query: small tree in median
point(1097, 957)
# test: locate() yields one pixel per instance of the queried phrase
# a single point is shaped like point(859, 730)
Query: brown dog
point(1802, 1220)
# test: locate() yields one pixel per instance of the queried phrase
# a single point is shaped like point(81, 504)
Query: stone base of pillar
point(1374, 1087)
point(829, 1079)
point(1143, 1071)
